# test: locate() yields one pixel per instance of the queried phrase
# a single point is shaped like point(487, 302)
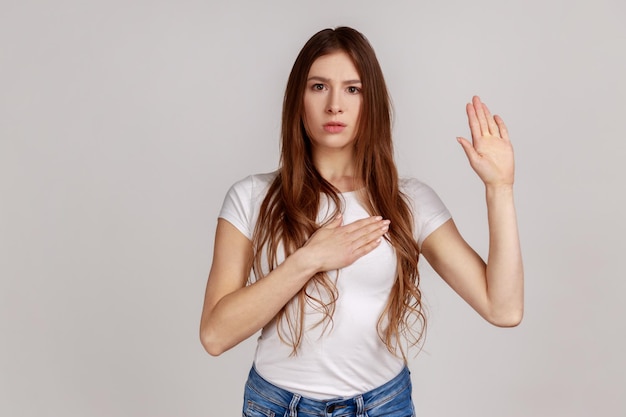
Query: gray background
point(123, 123)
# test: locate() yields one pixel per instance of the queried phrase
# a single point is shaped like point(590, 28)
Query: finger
point(473, 121)
point(504, 133)
point(493, 127)
point(471, 153)
point(369, 239)
point(358, 224)
point(480, 114)
point(373, 231)
point(335, 222)
point(369, 233)
point(367, 248)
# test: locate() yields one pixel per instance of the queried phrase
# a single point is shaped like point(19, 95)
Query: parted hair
point(289, 211)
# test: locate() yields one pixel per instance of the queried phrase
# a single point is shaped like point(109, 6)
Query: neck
point(338, 169)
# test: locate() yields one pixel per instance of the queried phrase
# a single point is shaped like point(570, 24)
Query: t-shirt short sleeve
point(242, 201)
point(429, 212)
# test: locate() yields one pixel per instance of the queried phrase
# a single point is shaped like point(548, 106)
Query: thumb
point(471, 153)
point(336, 222)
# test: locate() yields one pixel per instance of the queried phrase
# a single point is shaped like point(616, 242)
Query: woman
point(333, 238)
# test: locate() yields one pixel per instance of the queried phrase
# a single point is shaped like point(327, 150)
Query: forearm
point(505, 275)
point(233, 311)
point(240, 314)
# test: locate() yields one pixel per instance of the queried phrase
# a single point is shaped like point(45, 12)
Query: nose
point(334, 105)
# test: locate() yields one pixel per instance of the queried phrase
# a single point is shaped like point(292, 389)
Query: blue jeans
point(393, 399)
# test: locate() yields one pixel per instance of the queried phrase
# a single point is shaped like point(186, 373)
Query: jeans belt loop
point(360, 406)
point(293, 405)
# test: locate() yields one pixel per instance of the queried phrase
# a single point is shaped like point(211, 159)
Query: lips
point(334, 127)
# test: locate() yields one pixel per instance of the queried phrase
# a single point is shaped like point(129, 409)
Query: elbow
point(512, 322)
point(510, 319)
point(211, 349)
point(211, 344)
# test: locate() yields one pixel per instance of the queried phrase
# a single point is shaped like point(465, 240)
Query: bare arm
point(233, 312)
point(494, 289)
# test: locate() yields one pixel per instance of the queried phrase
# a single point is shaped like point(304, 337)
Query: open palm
point(490, 152)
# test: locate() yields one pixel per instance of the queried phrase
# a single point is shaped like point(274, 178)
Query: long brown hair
point(288, 214)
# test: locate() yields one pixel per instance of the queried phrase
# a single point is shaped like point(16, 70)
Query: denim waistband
point(356, 405)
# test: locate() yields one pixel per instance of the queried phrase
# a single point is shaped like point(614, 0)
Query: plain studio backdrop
point(123, 124)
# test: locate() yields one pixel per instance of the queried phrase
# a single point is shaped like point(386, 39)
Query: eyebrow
point(327, 80)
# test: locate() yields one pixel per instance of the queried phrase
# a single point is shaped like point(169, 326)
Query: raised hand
point(490, 153)
point(335, 246)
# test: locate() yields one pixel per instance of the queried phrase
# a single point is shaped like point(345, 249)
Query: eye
point(318, 87)
point(354, 90)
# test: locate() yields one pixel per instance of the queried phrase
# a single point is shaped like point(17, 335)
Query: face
point(332, 102)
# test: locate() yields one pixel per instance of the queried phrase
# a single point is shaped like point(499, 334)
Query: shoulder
point(255, 181)
point(243, 199)
point(253, 186)
point(429, 211)
point(415, 189)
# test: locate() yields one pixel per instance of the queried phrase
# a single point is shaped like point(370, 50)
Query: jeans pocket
point(257, 410)
point(399, 404)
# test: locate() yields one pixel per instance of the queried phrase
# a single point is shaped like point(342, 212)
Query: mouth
point(334, 127)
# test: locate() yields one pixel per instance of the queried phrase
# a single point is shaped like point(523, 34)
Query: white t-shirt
point(349, 357)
